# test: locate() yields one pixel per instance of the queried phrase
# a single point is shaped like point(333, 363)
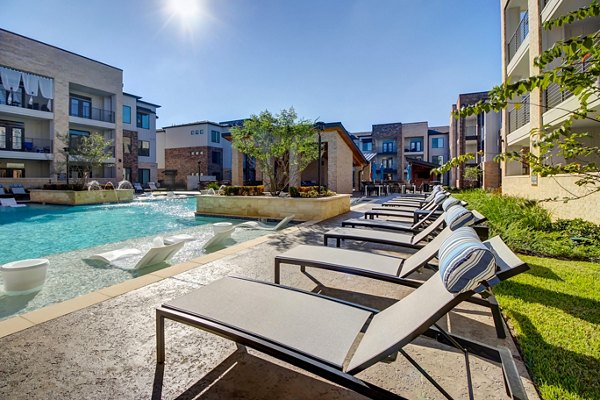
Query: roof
point(357, 155)
point(58, 48)
point(148, 103)
point(369, 156)
point(196, 123)
point(421, 163)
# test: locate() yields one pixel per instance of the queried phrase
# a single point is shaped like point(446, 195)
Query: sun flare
point(184, 10)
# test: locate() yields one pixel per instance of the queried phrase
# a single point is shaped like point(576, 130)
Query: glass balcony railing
point(30, 145)
point(96, 114)
point(518, 37)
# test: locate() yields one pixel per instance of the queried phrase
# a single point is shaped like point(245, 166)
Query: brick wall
point(130, 160)
point(185, 161)
point(492, 178)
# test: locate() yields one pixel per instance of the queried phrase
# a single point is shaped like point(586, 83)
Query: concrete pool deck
point(107, 349)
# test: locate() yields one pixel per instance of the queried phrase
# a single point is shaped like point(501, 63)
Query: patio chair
point(10, 202)
point(152, 186)
point(1, 190)
point(259, 225)
point(18, 189)
point(158, 253)
point(138, 187)
point(335, 339)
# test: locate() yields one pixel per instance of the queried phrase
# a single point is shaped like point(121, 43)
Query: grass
point(527, 228)
point(554, 312)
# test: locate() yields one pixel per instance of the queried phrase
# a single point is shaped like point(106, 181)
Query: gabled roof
point(358, 157)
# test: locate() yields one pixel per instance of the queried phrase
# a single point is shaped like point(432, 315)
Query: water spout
point(124, 184)
point(93, 185)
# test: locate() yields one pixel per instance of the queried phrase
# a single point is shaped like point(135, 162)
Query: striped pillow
point(449, 202)
point(440, 197)
point(458, 216)
point(465, 262)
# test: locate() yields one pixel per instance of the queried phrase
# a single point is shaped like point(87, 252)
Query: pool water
point(40, 230)
point(68, 236)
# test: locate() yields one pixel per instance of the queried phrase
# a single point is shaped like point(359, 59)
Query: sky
point(359, 62)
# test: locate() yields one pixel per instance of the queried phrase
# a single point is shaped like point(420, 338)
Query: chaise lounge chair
point(157, 254)
point(152, 186)
point(322, 335)
point(10, 202)
point(259, 225)
point(138, 187)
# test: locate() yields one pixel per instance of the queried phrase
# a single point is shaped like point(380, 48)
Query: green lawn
point(554, 311)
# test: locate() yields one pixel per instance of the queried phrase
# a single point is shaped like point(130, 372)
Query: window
point(144, 149)
point(75, 136)
point(388, 147)
point(215, 136)
point(439, 160)
point(196, 132)
point(144, 176)
point(80, 107)
point(126, 145)
point(388, 162)
point(367, 145)
point(216, 157)
point(414, 145)
point(437, 143)
point(143, 120)
point(2, 137)
point(126, 115)
point(127, 174)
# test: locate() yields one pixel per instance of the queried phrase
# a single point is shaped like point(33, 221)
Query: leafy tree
point(87, 153)
point(472, 175)
point(276, 142)
point(578, 72)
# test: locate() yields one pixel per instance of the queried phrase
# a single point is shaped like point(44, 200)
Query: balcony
point(518, 37)
point(519, 117)
point(387, 150)
point(93, 113)
point(28, 148)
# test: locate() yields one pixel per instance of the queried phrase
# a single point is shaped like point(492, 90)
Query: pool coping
point(32, 318)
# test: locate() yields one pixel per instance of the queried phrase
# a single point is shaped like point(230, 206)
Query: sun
point(188, 16)
point(186, 11)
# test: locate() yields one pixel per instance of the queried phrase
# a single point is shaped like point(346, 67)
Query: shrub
point(212, 185)
point(244, 190)
point(294, 192)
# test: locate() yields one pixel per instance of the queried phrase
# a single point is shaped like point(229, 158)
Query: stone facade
point(82, 197)
point(492, 176)
point(130, 160)
point(185, 161)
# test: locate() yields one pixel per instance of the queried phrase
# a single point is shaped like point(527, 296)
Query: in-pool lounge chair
point(322, 335)
point(10, 202)
point(157, 254)
point(259, 225)
point(410, 240)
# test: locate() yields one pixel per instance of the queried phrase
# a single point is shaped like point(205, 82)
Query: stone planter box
point(273, 207)
point(75, 198)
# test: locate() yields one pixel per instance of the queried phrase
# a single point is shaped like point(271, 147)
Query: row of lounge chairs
point(16, 190)
point(336, 339)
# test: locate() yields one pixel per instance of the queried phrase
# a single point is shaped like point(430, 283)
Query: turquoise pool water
point(41, 230)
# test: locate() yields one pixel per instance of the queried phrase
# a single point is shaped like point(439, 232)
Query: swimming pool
point(40, 230)
point(67, 236)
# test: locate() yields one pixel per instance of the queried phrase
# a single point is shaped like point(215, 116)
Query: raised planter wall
point(75, 198)
point(273, 207)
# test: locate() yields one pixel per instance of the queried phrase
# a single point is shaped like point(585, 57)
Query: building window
point(216, 157)
point(127, 174)
point(126, 145)
point(437, 143)
point(144, 149)
point(388, 147)
point(414, 145)
point(215, 136)
point(388, 162)
point(126, 115)
point(367, 145)
point(196, 132)
point(143, 120)
point(75, 136)
point(144, 176)
point(80, 107)
point(439, 160)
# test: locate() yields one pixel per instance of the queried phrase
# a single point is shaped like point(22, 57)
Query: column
point(237, 167)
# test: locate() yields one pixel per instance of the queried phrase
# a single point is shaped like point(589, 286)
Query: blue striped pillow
point(465, 262)
point(458, 216)
point(440, 197)
point(449, 202)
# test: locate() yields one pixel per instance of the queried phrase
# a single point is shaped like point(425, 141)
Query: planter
point(75, 198)
point(273, 207)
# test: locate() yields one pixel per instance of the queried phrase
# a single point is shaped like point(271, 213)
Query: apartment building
point(523, 39)
point(139, 140)
point(49, 99)
point(403, 152)
point(195, 149)
point(477, 134)
point(439, 151)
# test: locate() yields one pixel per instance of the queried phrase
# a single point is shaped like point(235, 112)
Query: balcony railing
point(519, 117)
point(31, 145)
point(17, 100)
point(97, 114)
point(518, 37)
point(387, 150)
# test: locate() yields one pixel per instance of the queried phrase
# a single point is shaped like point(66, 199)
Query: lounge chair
point(1, 190)
point(323, 336)
point(183, 237)
point(157, 254)
point(410, 240)
point(414, 214)
point(10, 202)
point(259, 225)
point(18, 189)
point(138, 187)
point(218, 238)
point(152, 186)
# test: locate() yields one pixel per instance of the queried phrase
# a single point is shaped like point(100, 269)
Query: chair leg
point(160, 338)
point(497, 315)
point(277, 272)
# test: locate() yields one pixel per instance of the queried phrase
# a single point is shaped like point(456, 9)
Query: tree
point(578, 72)
point(472, 175)
point(87, 153)
point(277, 142)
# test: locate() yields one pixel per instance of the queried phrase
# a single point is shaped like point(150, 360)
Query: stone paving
point(107, 350)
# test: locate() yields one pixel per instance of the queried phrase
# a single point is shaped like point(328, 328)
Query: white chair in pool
point(10, 202)
point(259, 225)
point(158, 253)
point(24, 276)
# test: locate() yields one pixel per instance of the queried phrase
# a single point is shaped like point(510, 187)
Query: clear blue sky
point(361, 62)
